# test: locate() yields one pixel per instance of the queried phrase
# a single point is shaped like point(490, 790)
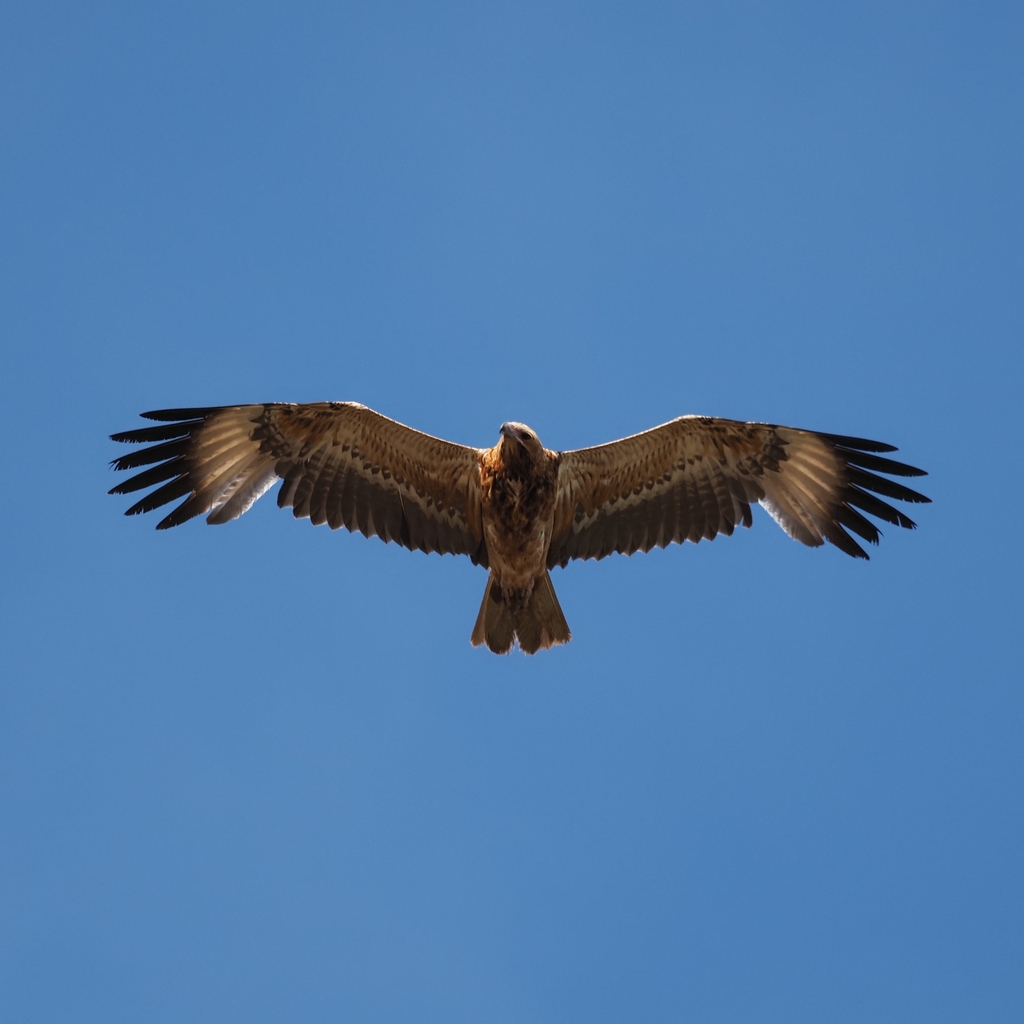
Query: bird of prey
point(516, 509)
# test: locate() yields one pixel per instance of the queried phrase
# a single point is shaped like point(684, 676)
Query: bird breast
point(517, 513)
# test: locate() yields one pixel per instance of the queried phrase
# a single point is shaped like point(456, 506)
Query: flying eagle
point(516, 509)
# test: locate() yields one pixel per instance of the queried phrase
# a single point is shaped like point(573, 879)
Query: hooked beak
point(522, 435)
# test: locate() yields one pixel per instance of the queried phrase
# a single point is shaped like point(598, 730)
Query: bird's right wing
point(341, 463)
point(697, 476)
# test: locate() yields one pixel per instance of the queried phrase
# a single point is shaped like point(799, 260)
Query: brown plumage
point(517, 509)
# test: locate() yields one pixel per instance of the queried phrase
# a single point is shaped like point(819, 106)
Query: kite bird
point(516, 509)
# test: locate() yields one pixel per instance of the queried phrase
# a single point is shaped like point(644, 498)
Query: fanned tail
point(538, 625)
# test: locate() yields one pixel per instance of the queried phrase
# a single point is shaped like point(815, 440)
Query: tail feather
point(494, 625)
point(537, 625)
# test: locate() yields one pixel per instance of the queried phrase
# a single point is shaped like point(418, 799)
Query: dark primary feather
point(140, 481)
point(154, 453)
point(889, 466)
point(858, 443)
point(147, 434)
point(183, 414)
point(876, 507)
point(169, 492)
point(878, 484)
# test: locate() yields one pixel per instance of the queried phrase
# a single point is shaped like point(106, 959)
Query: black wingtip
point(861, 490)
point(880, 485)
point(171, 415)
point(860, 444)
point(146, 434)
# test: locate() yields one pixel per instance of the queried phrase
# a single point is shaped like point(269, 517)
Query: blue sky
point(257, 773)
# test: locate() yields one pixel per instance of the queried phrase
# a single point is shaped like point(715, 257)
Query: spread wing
point(341, 463)
point(697, 477)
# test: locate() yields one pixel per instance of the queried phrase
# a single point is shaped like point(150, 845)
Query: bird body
point(518, 484)
point(517, 509)
point(518, 479)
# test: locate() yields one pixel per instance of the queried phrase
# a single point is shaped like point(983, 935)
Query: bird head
point(519, 437)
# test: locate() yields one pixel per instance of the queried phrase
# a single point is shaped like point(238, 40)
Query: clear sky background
point(257, 773)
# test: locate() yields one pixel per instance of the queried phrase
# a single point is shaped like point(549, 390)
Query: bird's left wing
point(697, 476)
point(341, 464)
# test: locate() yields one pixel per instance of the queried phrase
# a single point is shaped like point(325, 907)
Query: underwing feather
point(706, 473)
point(340, 463)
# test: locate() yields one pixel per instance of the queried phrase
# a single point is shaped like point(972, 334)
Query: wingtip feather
point(861, 444)
point(171, 415)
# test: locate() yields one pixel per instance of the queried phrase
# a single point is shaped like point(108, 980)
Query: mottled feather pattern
point(697, 476)
point(518, 508)
point(341, 464)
